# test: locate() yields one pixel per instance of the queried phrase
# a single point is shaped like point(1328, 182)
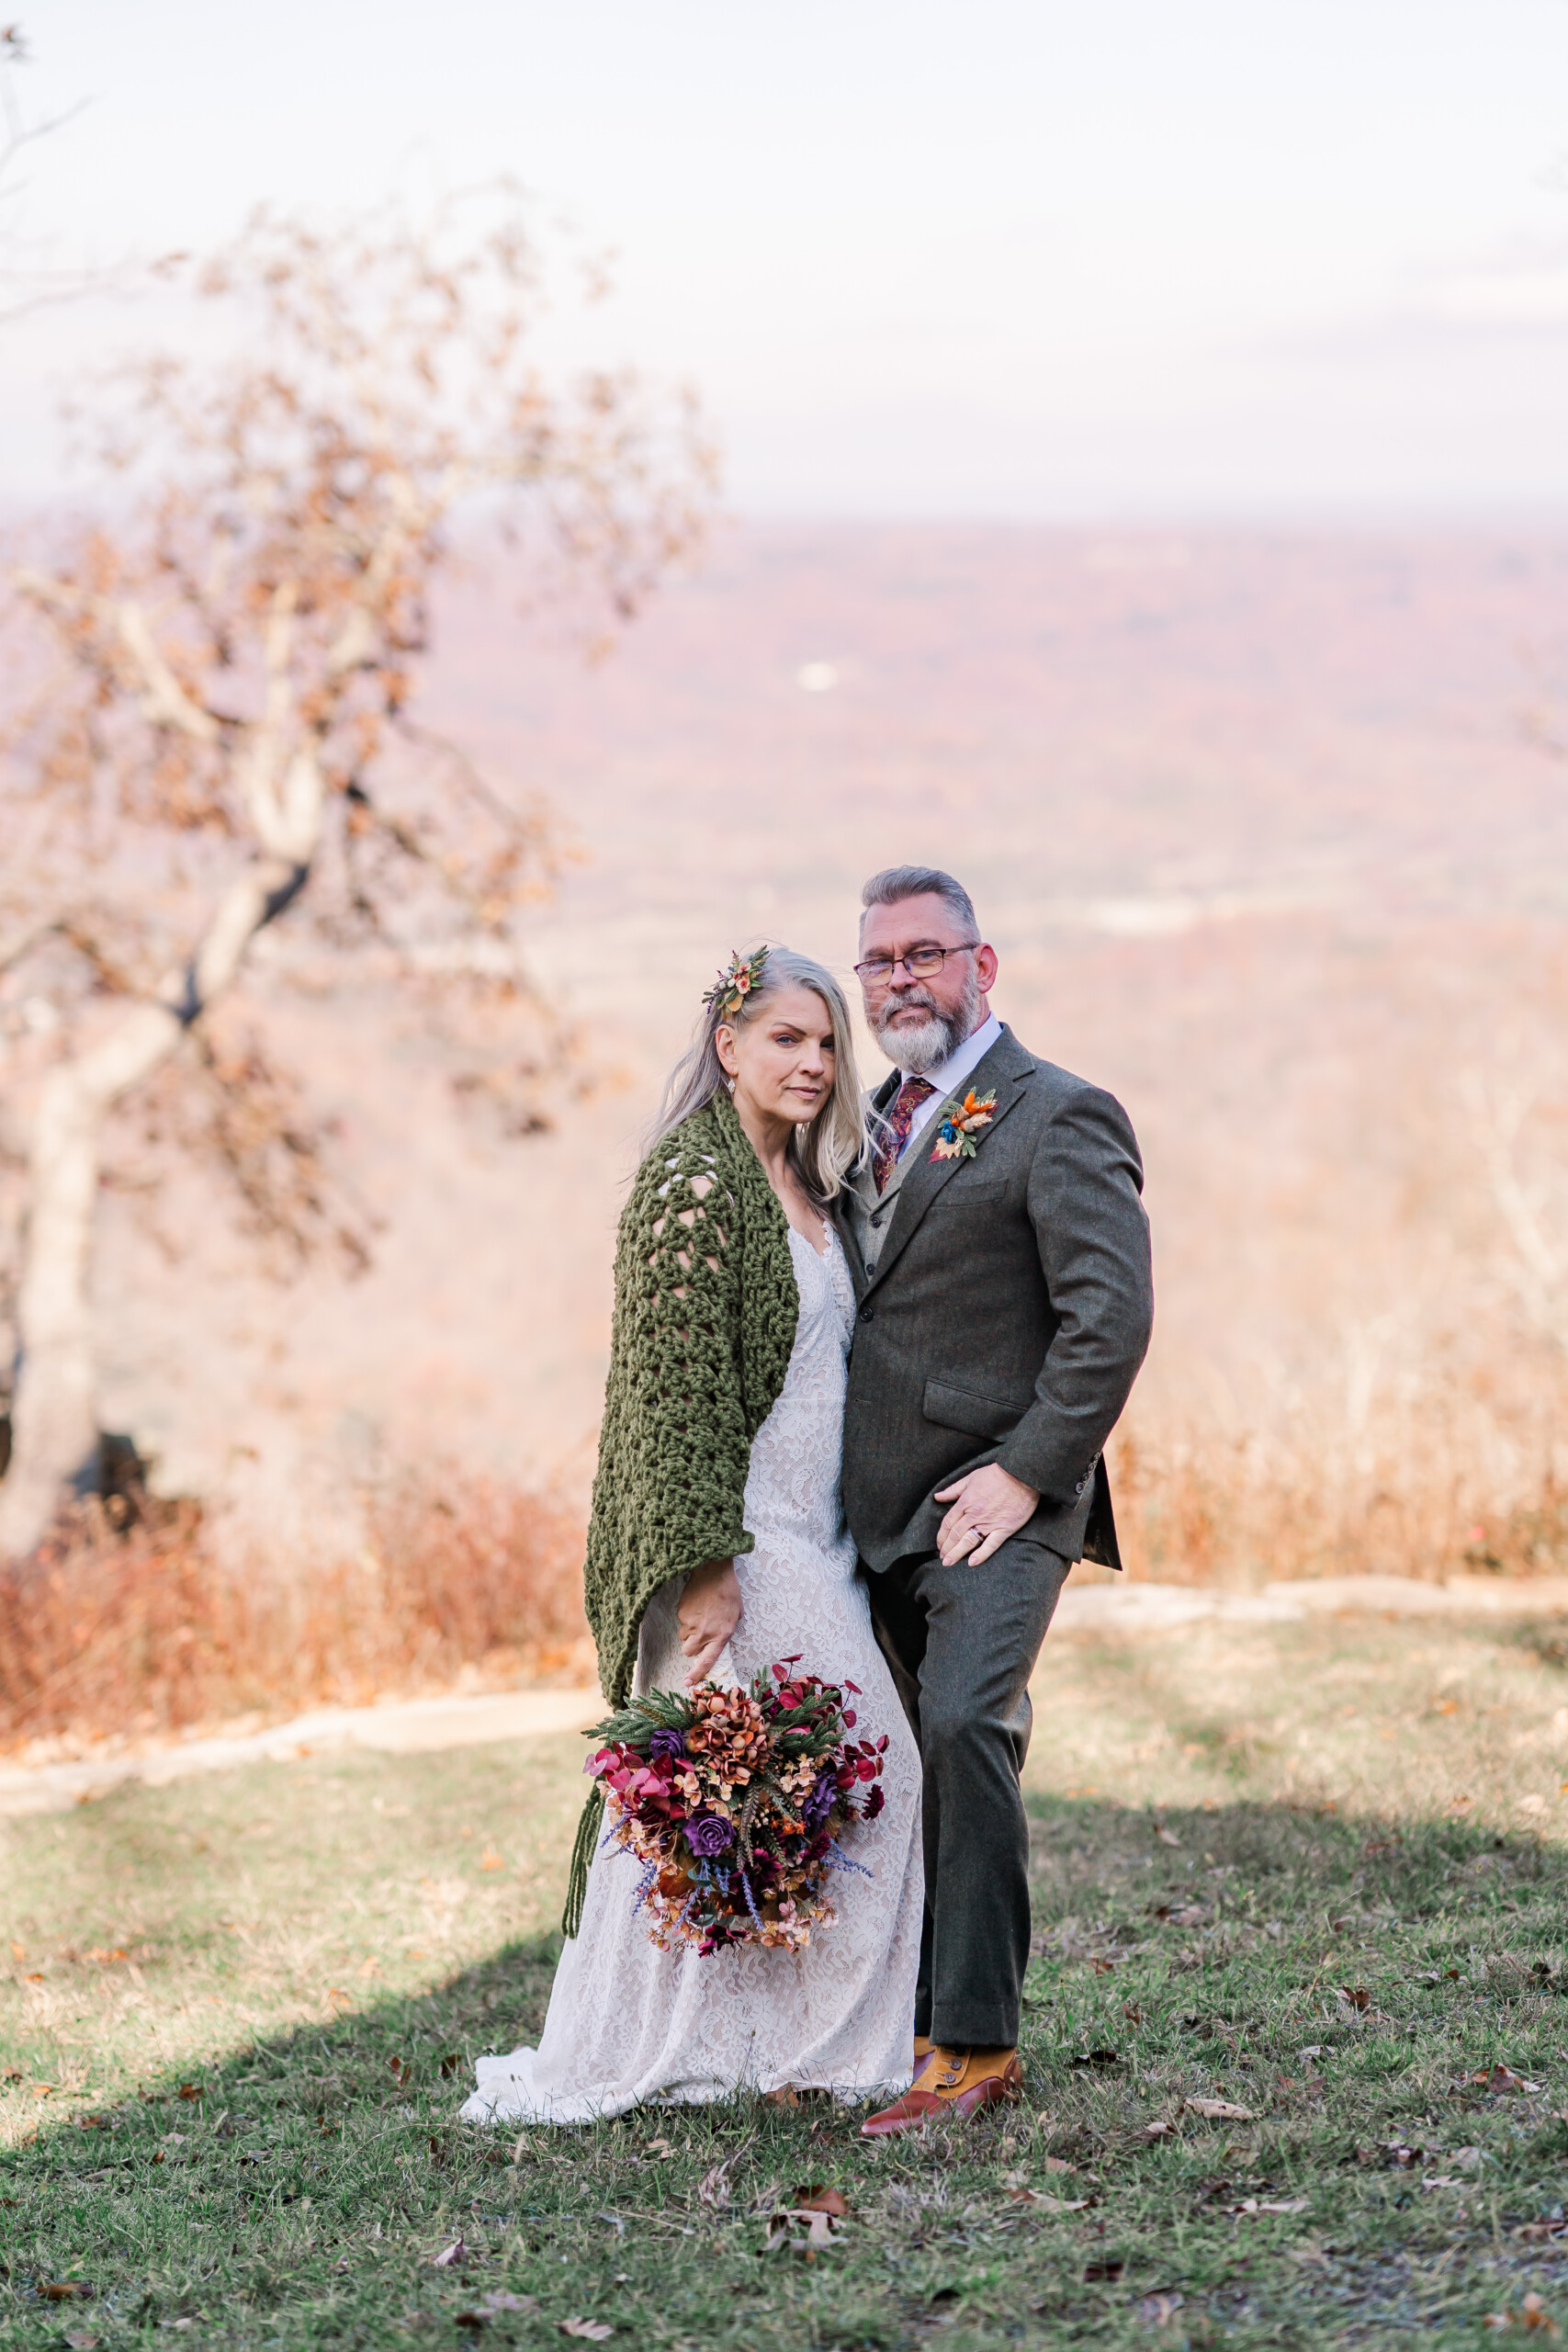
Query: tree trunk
point(54, 1428)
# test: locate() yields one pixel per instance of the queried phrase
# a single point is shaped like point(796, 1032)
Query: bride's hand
point(708, 1614)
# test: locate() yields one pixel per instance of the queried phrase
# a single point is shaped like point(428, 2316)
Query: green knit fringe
point(582, 1852)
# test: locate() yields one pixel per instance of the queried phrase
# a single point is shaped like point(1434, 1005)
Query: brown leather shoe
point(954, 2082)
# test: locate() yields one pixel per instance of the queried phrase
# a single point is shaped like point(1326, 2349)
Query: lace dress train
point(627, 2023)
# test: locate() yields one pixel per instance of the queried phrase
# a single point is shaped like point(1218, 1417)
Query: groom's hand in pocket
point(989, 1506)
point(708, 1614)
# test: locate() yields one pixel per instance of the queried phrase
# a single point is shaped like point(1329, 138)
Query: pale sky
point(1231, 258)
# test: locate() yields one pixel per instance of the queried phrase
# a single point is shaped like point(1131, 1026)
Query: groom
point(1004, 1303)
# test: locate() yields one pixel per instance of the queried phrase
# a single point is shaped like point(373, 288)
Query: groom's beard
point(920, 1050)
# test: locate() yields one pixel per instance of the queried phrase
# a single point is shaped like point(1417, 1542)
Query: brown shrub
point(1207, 1511)
point(145, 1627)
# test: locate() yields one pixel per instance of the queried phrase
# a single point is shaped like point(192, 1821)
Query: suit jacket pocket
point(967, 1409)
point(968, 1196)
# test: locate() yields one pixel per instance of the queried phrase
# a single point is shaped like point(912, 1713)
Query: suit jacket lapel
point(1008, 1069)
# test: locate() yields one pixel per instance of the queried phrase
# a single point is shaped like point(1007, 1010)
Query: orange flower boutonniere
point(959, 1125)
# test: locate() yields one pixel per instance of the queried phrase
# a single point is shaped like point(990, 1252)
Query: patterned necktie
point(895, 1128)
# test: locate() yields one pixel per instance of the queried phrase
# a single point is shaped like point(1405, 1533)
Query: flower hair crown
point(732, 987)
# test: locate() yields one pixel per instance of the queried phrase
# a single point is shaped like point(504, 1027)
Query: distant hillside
point(1253, 824)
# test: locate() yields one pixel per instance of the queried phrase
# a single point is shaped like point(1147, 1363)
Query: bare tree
point(225, 725)
point(26, 285)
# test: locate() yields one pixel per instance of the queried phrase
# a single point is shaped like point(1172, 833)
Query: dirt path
point(406, 1726)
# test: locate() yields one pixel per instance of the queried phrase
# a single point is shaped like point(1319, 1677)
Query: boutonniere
point(959, 1125)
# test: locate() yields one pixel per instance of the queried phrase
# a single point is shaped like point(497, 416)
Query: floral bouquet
point(734, 1802)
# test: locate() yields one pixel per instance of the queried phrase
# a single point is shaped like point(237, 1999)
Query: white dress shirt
point(950, 1075)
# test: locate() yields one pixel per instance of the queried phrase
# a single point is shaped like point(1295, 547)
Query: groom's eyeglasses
point(921, 964)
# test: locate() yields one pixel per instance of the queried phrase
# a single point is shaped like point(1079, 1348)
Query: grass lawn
point(1312, 1873)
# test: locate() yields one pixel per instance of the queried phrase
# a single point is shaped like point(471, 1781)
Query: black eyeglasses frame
point(883, 966)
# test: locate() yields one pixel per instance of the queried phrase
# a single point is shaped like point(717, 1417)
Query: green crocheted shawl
point(706, 1305)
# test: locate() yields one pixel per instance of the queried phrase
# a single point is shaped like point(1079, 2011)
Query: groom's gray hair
point(896, 882)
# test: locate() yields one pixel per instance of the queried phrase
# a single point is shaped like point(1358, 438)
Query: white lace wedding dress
point(627, 2023)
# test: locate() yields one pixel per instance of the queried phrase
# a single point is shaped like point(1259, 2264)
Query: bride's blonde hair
point(832, 1147)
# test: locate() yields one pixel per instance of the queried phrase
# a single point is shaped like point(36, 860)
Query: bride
point(717, 1546)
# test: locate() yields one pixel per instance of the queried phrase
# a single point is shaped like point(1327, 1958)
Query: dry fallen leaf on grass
point(1219, 2110)
point(1166, 1836)
point(499, 2300)
point(1058, 2164)
point(491, 1860)
point(1159, 2131)
point(823, 2210)
point(1048, 2204)
point(451, 2257)
point(657, 2151)
point(1271, 2205)
point(713, 2187)
point(65, 2290)
point(1532, 2313)
point(595, 2330)
point(1155, 2310)
point(785, 2096)
point(450, 2063)
point(81, 2339)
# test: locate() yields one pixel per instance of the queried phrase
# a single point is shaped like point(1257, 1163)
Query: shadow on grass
point(1344, 1987)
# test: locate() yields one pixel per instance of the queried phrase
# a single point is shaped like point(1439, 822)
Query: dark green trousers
point(962, 1644)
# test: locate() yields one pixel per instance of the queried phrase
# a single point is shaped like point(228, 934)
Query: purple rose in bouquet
point(667, 1743)
point(708, 1834)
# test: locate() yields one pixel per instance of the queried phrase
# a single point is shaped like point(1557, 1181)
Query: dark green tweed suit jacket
point(1007, 1315)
